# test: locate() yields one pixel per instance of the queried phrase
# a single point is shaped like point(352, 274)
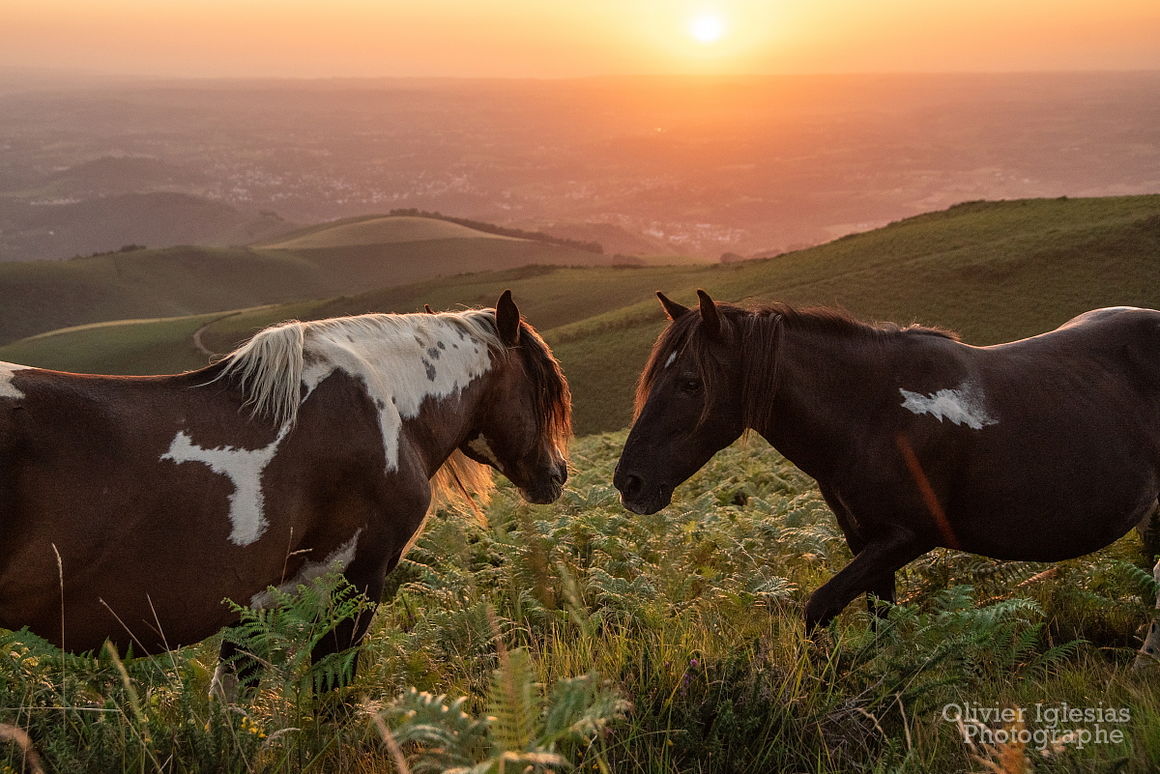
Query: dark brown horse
point(1041, 449)
point(133, 506)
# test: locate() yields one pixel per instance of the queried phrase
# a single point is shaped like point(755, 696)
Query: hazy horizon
point(527, 39)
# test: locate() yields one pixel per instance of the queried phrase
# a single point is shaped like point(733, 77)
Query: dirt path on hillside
point(197, 342)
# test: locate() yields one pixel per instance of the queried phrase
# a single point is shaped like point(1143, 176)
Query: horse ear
point(710, 317)
point(672, 309)
point(427, 308)
point(507, 319)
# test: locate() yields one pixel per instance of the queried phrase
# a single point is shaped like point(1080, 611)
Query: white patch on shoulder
point(672, 357)
point(7, 389)
point(244, 468)
point(338, 559)
point(964, 405)
point(429, 358)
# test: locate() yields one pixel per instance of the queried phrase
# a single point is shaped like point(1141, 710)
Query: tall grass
point(581, 637)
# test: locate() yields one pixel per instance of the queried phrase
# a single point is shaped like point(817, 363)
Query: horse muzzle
point(547, 489)
point(639, 498)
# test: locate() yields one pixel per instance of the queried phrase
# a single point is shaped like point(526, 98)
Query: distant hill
point(994, 271)
point(52, 230)
point(372, 252)
point(390, 229)
point(614, 239)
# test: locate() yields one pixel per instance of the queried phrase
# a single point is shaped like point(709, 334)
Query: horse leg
point(349, 632)
point(1149, 529)
point(882, 556)
point(881, 589)
point(1150, 652)
point(236, 669)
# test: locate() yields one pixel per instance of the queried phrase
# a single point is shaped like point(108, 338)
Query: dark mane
point(834, 320)
point(757, 331)
point(553, 397)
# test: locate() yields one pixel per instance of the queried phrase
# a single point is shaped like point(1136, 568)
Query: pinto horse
point(133, 506)
point(1042, 449)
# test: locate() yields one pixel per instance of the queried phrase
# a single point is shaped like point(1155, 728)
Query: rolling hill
point(991, 270)
point(388, 229)
point(65, 228)
point(178, 281)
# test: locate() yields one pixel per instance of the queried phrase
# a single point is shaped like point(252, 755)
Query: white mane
point(401, 359)
point(275, 367)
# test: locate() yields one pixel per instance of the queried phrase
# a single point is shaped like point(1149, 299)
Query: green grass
point(669, 643)
point(144, 346)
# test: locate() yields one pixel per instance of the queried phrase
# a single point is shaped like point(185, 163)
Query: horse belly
point(1047, 528)
point(149, 567)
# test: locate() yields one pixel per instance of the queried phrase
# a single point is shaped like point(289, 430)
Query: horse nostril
point(560, 474)
point(630, 485)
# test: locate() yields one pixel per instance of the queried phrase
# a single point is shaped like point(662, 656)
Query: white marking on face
point(671, 359)
point(964, 405)
point(7, 389)
point(338, 559)
point(480, 446)
point(244, 469)
point(433, 359)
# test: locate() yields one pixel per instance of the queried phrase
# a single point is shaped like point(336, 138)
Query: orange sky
point(550, 38)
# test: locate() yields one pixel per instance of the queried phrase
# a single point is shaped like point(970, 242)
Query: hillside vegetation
point(993, 271)
point(580, 637)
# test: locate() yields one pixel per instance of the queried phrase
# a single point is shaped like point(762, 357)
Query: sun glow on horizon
point(707, 28)
point(537, 39)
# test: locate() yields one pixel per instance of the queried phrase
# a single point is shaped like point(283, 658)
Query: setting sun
point(707, 28)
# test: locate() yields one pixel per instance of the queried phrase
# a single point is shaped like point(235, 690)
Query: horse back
point(1070, 457)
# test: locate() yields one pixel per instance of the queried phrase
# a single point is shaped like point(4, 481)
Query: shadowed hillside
point(69, 228)
point(178, 281)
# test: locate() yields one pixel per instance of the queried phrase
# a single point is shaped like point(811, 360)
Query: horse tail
point(268, 369)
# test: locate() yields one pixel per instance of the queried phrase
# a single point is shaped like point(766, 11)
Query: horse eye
point(689, 384)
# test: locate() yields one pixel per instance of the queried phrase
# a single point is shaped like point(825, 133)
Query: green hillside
point(163, 345)
point(991, 270)
point(48, 295)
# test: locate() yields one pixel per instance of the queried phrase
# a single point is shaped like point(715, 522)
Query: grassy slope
point(48, 295)
point(693, 615)
point(992, 271)
point(143, 346)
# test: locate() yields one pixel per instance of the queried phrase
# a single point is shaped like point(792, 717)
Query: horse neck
point(427, 381)
point(444, 425)
point(826, 391)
